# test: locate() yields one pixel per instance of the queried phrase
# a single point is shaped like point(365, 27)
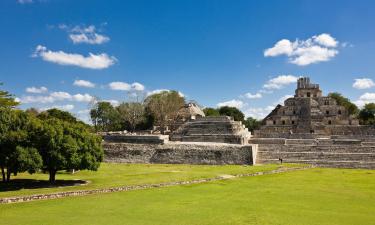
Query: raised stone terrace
point(341, 152)
point(220, 129)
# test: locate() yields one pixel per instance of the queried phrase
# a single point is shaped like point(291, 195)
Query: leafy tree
point(132, 113)
point(367, 114)
point(211, 112)
point(252, 124)
point(58, 114)
point(164, 107)
point(7, 100)
point(105, 117)
point(233, 112)
point(67, 146)
point(342, 101)
point(16, 146)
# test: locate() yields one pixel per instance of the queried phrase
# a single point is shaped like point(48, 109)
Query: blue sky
point(63, 53)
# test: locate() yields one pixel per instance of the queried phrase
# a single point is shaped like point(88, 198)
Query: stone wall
point(180, 153)
point(339, 152)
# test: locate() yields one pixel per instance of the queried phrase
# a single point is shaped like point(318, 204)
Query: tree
point(342, 101)
point(252, 124)
point(7, 100)
point(58, 114)
point(105, 117)
point(67, 146)
point(211, 112)
point(164, 107)
point(16, 151)
point(132, 113)
point(367, 114)
point(233, 112)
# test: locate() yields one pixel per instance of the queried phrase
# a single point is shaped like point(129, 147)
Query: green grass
point(313, 196)
point(113, 175)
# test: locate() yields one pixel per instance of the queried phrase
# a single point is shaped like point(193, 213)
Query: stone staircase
point(344, 153)
point(221, 129)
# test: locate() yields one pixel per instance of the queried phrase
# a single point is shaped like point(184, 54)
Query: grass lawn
point(112, 175)
point(313, 196)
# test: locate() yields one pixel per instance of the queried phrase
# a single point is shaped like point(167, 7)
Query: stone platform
point(343, 152)
point(220, 129)
point(180, 153)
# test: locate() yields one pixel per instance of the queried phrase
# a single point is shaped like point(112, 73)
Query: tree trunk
point(3, 173)
point(52, 176)
point(8, 175)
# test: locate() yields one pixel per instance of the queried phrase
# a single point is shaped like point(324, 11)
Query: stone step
point(317, 155)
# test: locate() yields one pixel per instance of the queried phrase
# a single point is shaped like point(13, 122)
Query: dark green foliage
point(252, 124)
point(7, 99)
point(211, 112)
point(233, 112)
point(341, 100)
point(105, 117)
point(367, 114)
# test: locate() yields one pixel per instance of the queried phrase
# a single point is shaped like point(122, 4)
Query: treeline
point(49, 141)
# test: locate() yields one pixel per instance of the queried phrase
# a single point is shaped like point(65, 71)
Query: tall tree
point(252, 124)
point(211, 112)
point(105, 117)
point(164, 106)
point(132, 113)
point(233, 112)
point(342, 101)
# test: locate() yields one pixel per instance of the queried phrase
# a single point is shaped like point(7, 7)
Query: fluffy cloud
point(363, 83)
point(280, 81)
point(35, 90)
point(316, 49)
point(258, 113)
point(232, 103)
point(57, 96)
point(87, 35)
point(365, 99)
point(92, 61)
point(123, 86)
point(253, 96)
point(84, 83)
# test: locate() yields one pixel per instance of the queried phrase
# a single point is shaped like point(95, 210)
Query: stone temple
point(310, 114)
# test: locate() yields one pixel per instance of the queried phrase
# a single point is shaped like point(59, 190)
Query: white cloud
point(363, 83)
point(280, 81)
point(113, 102)
point(282, 99)
point(316, 49)
point(365, 99)
point(258, 113)
point(36, 90)
point(84, 34)
point(157, 91)
point(92, 61)
point(232, 103)
point(137, 86)
point(120, 86)
point(57, 96)
point(253, 96)
point(84, 83)
point(61, 107)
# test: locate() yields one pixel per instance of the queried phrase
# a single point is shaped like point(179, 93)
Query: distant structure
point(309, 112)
point(190, 111)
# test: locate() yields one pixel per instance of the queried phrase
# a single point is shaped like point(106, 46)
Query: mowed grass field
point(312, 196)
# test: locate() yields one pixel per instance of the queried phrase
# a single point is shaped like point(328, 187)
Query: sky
point(248, 54)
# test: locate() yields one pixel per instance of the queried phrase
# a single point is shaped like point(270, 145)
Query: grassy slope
point(112, 175)
point(315, 196)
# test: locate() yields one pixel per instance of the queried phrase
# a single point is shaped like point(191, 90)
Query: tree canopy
point(7, 99)
point(233, 112)
point(367, 114)
point(341, 100)
point(211, 112)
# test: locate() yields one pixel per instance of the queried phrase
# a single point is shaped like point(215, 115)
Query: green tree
point(164, 107)
point(67, 146)
point(342, 101)
point(252, 124)
point(233, 112)
point(16, 146)
point(105, 117)
point(367, 114)
point(211, 112)
point(7, 99)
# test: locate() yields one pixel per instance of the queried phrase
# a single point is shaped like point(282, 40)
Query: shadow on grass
point(19, 184)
